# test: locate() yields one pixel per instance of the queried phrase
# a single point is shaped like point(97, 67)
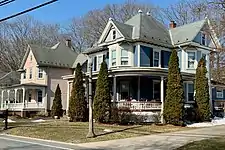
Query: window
point(40, 73)
point(100, 60)
point(204, 56)
point(145, 56)
point(190, 92)
point(203, 39)
point(39, 96)
point(156, 90)
point(30, 57)
point(156, 59)
point(29, 96)
point(114, 34)
point(94, 64)
point(191, 60)
point(219, 93)
point(124, 57)
point(30, 73)
point(124, 87)
point(113, 57)
point(24, 74)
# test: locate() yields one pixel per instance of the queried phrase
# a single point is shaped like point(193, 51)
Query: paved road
point(164, 141)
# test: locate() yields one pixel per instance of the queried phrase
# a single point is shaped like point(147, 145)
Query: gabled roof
point(81, 58)
point(57, 56)
point(144, 28)
point(186, 33)
point(125, 29)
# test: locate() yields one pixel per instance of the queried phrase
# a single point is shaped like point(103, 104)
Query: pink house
point(41, 70)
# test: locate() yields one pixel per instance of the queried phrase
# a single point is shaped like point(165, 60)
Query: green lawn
point(208, 144)
point(72, 132)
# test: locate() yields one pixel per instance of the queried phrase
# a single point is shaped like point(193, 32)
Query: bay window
point(40, 73)
point(191, 60)
point(113, 57)
point(100, 60)
point(124, 57)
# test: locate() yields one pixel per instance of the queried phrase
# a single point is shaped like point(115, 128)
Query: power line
point(28, 10)
point(2, 3)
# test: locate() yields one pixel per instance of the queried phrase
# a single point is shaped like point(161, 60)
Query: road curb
point(37, 139)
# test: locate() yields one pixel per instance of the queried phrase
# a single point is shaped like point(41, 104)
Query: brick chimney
point(173, 24)
point(69, 43)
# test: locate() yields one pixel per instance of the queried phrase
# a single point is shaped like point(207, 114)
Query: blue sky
point(63, 10)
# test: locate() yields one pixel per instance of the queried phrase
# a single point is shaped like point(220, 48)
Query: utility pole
point(91, 133)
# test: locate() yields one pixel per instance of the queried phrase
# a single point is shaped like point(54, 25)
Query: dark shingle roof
point(186, 33)
point(10, 78)
point(147, 28)
point(58, 56)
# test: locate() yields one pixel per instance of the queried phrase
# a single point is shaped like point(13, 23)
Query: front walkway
point(164, 141)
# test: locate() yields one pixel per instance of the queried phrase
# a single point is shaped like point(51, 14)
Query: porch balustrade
point(139, 106)
point(19, 106)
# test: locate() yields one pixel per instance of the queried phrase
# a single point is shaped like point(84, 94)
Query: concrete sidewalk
point(164, 141)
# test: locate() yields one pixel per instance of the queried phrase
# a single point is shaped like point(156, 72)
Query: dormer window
point(203, 38)
point(31, 58)
point(114, 34)
point(30, 76)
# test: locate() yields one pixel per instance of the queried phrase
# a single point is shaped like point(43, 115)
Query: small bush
point(156, 118)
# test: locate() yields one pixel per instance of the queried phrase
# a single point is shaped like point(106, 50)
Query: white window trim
point(126, 59)
point(99, 65)
point(205, 56)
point(31, 73)
point(111, 63)
point(25, 74)
point(153, 87)
point(114, 30)
point(205, 38)
point(159, 58)
point(40, 72)
point(187, 97)
point(219, 91)
point(195, 61)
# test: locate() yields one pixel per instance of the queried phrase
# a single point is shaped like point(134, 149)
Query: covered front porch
point(24, 97)
point(139, 93)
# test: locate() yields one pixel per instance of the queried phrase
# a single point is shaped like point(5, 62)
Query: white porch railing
point(139, 106)
point(20, 106)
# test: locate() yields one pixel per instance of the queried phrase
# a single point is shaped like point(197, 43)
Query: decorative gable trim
point(107, 29)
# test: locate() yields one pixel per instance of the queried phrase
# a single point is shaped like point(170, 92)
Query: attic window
point(114, 34)
point(203, 38)
point(31, 58)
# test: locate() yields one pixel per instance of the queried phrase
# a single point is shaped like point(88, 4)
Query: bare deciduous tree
point(15, 35)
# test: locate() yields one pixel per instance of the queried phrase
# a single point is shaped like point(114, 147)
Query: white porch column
point(44, 100)
point(139, 54)
point(8, 98)
point(114, 90)
point(2, 100)
point(23, 97)
point(139, 92)
point(15, 95)
point(68, 97)
point(162, 98)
